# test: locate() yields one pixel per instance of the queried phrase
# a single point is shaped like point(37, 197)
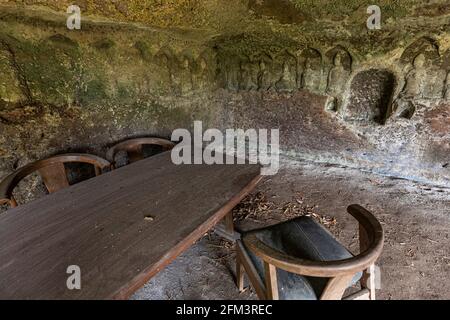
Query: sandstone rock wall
point(376, 100)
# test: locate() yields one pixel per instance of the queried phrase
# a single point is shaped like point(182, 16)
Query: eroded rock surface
point(375, 100)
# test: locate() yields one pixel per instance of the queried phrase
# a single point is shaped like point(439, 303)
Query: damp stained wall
point(377, 100)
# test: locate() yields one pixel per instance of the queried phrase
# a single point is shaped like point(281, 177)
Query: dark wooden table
point(120, 228)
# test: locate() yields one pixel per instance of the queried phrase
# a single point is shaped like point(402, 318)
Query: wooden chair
point(134, 148)
point(52, 171)
point(300, 260)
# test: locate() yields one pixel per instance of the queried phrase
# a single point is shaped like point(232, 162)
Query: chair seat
point(306, 239)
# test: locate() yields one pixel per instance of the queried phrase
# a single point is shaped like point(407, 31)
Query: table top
point(120, 228)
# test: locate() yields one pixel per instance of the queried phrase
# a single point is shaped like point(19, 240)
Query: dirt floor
point(415, 263)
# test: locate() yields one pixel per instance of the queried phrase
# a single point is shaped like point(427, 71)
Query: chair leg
point(270, 274)
point(369, 276)
point(336, 287)
point(229, 223)
point(250, 270)
point(239, 274)
point(369, 280)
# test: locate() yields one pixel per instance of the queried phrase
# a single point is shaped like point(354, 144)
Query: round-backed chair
point(134, 148)
point(52, 171)
point(301, 260)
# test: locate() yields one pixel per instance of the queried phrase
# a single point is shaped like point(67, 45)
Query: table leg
point(229, 223)
point(226, 229)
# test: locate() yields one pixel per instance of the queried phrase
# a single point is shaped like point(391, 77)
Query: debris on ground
point(257, 206)
point(254, 206)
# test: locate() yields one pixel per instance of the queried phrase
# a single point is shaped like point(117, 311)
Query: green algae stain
point(49, 71)
point(93, 92)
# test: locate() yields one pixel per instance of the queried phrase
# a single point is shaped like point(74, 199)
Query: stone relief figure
point(300, 66)
point(200, 75)
point(312, 70)
point(228, 71)
point(288, 79)
point(338, 75)
point(426, 46)
point(248, 75)
point(184, 78)
point(425, 75)
point(264, 76)
point(166, 61)
point(415, 78)
point(232, 73)
point(433, 87)
point(446, 67)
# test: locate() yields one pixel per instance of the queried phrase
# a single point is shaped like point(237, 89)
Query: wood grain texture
point(326, 269)
point(363, 294)
point(52, 171)
point(270, 275)
point(133, 147)
point(336, 287)
point(250, 270)
point(54, 177)
point(340, 272)
point(239, 274)
point(101, 226)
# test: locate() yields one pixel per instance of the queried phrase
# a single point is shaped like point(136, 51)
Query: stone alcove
point(370, 96)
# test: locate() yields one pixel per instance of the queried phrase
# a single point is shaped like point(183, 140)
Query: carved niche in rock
point(229, 71)
point(184, 78)
point(265, 72)
point(166, 60)
point(312, 75)
point(415, 79)
point(187, 71)
point(425, 75)
point(201, 76)
point(287, 81)
point(258, 72)
point(434, 87)
point(248, 74)
point(426, 46)
point(190, 71)
point(370, 96)
point(340, 71)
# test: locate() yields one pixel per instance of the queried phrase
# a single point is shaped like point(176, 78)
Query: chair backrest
point(134, 148)
point(52, 171)
point(340, 272)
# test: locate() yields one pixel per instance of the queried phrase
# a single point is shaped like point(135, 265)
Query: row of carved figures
point(287, 72)
point(424, 71)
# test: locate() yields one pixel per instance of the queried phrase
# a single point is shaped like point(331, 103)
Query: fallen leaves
point(325, 220)
point(254, 206)
point(257, 206)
